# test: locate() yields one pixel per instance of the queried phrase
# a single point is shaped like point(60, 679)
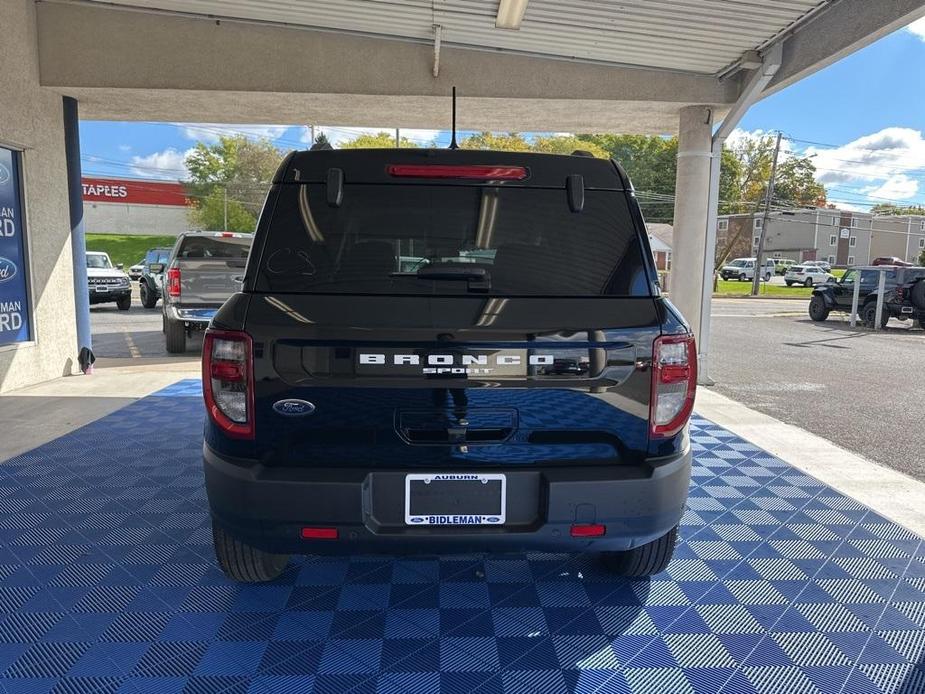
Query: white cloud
point(210, 132)
point(125, 148)
point(168, 164)
point(917, 28)
point(898, 187)
point(738, 137)
point(875, 157)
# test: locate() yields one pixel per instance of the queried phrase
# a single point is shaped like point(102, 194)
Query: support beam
point(751, 92)
point(78, 242)
point(695, 129)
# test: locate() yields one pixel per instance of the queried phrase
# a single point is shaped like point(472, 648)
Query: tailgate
point(462, 381)
point(209, 280)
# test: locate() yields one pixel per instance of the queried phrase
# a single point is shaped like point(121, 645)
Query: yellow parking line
point(132, 347)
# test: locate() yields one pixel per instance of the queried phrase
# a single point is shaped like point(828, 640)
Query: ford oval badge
point(293, 407)
point(7, 269)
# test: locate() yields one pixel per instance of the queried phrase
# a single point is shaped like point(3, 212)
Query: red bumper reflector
point(492, 173)
point(319, 533)
point(588, 530)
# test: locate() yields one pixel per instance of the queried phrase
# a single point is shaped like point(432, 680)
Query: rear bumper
point(267, 507)
point(192, 317)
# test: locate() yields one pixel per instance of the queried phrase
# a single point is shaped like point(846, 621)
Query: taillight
point(674, 384)
point(492, 173)
point(228, 381)
point(173, 281)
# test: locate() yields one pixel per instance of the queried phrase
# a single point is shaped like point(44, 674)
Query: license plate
point(102, 290)
point(455, 499)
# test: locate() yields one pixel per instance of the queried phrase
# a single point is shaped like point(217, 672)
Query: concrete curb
point(890, 493)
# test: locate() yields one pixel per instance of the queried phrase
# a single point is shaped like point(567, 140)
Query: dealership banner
point(14, 299)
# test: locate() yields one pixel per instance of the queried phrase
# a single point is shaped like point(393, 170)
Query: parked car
point(107, 283)
point(134, 272)
point(203, 270)
point(807, 275)
point(904, 295)
point(534, 396)
point(781, 265)
point(824, 264)
point(890, 260)
point(151, 284)
point(744, 269)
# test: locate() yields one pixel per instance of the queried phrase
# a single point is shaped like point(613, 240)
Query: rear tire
point(243, 563)
point(767, 277)
point(148, 297)
point(175, 333)
point(808, 283)
point(742, 277)
point(645, 560)
point(817, 309)
point(124, 302)
point(789, 284)
point(869, 315)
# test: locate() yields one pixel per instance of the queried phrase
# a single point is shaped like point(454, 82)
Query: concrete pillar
point(76, 209)
point(692, 189)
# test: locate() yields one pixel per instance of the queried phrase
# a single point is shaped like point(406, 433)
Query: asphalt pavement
point(860, 389)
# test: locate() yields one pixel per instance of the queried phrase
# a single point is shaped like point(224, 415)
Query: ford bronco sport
point(447, 351)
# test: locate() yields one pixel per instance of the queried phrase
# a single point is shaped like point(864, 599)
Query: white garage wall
point(135, 220)
point(31, 118)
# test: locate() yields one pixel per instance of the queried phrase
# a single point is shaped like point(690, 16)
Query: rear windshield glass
point(423, 239)
point(214, 247)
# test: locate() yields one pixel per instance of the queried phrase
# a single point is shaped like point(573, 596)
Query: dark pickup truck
point(447, 351)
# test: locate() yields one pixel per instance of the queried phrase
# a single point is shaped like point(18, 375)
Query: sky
point(862, 120)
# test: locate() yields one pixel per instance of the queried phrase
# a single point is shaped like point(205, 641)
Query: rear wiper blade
point(478, 277)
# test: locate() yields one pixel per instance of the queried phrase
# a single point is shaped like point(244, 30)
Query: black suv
point(903, 298)
point(151, 284)
point(447, 351)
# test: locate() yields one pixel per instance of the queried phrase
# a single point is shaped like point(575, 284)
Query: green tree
point(566, 144)
point(231, 174)
point(505, 142)
point(380, 140)
point(922, 258)
point(893, 209)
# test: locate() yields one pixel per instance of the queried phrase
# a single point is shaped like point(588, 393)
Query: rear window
point(440, 239)
point(214, 247)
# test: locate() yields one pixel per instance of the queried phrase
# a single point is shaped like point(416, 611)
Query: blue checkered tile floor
point(107, 584)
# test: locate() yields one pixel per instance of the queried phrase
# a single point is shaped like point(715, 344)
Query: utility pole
point(397, 140)
point(759, 269)
point(225, 228)
point(311, 129)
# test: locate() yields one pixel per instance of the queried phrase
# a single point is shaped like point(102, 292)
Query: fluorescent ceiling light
point(510, 14)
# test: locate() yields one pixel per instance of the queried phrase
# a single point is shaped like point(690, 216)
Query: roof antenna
point(453, 144)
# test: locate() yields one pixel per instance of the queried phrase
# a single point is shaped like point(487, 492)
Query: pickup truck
point(203, 270)
point(447, 351)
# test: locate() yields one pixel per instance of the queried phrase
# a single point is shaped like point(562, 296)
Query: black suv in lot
point(903, 298)
point(447, 351)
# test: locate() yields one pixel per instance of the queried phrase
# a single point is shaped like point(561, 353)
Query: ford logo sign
point(7, 269)
point(4, 174)
point(293, 407)
point(417, 519)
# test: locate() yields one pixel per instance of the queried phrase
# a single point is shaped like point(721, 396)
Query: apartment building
point(841, 237)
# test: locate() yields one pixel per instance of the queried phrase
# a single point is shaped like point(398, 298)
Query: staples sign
point(133, 192)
